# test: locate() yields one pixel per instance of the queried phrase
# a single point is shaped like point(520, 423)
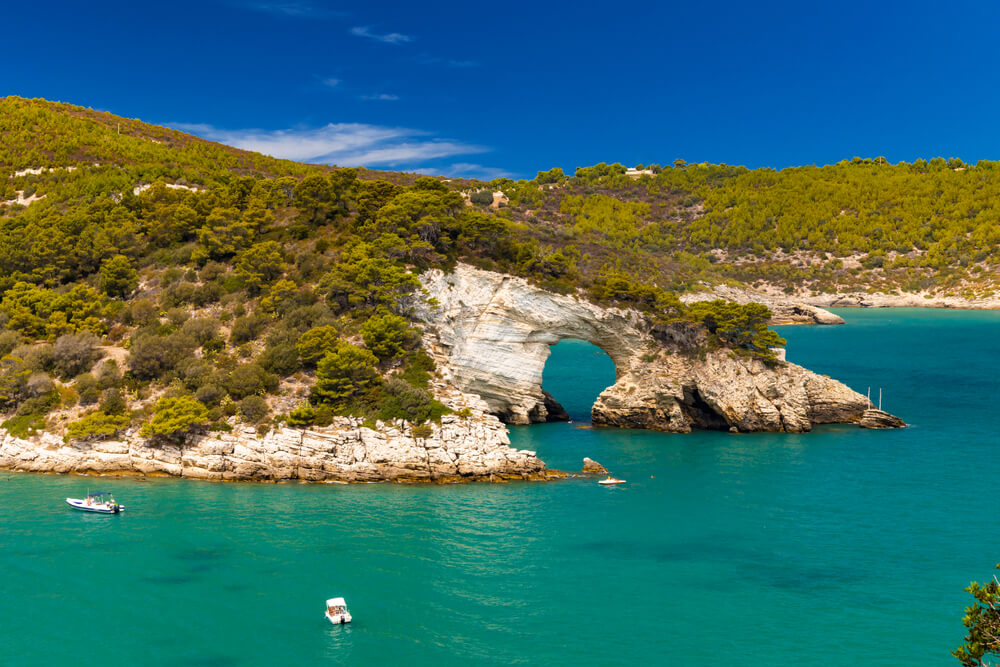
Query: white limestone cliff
point(492, 332)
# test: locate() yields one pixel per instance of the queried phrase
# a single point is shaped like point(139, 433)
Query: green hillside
point(857, 225)
point(149, 277)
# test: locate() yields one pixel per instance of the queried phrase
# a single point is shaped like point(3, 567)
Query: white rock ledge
point(474, 448)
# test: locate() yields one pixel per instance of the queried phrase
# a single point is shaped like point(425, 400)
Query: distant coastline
point(906, 300)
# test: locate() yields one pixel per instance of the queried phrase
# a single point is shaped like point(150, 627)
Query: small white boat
point(611, 481)
point(336, 611)
point(101, 502)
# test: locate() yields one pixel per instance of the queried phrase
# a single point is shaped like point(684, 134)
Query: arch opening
point(575, 374)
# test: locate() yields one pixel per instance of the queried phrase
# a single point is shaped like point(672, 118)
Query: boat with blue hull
point(101, 502)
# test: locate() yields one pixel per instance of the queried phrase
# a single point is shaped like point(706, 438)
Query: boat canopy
point(336, 602)
point(98, 493)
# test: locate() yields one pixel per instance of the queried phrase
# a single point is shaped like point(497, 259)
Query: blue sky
point(488, 89)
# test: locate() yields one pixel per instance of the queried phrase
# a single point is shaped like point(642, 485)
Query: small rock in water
point(592, 467)
point(873, 418)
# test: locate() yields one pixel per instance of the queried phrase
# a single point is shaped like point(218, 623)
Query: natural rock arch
point(496, 331)
point(492, 334)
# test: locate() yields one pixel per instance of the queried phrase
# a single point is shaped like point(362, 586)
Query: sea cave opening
point(575, 374)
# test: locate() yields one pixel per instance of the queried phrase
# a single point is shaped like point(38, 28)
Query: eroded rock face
point(680, 393)
point(492, 332)
point(469, 448)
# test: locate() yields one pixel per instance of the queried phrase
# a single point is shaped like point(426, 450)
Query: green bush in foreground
point(96, 424)
point(345, 373)
point(983, 622)
point(24, 426)
point(175, 417)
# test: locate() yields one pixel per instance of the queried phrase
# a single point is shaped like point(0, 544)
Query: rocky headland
point(492, 333)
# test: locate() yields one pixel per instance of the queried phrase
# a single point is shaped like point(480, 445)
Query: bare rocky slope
point(493, 333)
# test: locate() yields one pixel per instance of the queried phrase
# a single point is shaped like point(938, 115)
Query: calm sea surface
point(838, 547)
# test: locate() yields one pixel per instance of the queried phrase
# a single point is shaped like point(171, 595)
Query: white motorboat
point(101, 502)
point(336, 611)
point(611, 481)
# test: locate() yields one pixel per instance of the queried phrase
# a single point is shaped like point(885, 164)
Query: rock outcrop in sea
point(592, 467)
point(492, 333)
point(875, 418)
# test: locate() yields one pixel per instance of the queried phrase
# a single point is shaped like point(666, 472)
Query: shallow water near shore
point(838, 547)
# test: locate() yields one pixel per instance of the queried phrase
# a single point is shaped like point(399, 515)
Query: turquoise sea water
point(839, 547)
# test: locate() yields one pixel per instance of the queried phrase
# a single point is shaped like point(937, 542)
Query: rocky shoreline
point(472, 447)
point(860, 299)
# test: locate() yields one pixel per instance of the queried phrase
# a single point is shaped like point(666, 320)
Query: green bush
point(113, 403)
point(86, 389)
point(24, 426)
point(281, 359)
point(742, 326)
point(14, 374)
point(108, 375)
point(201, 329)
point(74, 354)
point(314, 344)
point(174, 417)
point(250, 379)
point(97, 424)
point(418, 368)
point(388, 336)
point(210, 394)
point(8, 341)
point(118, 277)
point(40, 405)
point(246, 329)
point(152, 357)
point(422, 431)
point(254, 409)
point(400, 400)
point(482, 197)
point(301, 417)
point(346, 373)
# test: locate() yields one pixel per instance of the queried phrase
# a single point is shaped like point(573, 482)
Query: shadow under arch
point(575, 374)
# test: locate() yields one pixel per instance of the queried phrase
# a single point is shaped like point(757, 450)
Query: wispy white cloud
point(292, 9)
point(387, 38)
point(381, 97)
point(346, 144)
point(466, 170)
point(330, 82)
